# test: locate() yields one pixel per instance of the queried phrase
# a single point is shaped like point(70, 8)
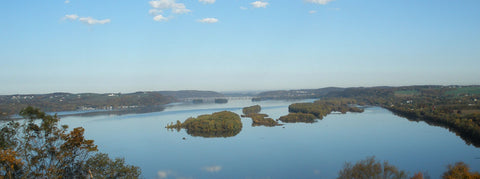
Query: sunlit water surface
point(295, 150)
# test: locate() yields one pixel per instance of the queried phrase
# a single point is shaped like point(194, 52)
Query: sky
point(232, 45)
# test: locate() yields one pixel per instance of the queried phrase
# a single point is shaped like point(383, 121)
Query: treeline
point(219, 124)
point(308, 112)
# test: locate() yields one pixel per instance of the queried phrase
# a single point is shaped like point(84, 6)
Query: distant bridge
point(212, 99)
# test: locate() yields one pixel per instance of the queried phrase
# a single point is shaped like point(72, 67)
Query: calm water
point(298, 150)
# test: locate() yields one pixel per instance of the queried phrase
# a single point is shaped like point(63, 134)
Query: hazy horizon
point(110, 46)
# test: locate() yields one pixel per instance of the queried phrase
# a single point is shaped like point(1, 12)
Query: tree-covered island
point(219, 124)
point(309, 112)
point(257, 118)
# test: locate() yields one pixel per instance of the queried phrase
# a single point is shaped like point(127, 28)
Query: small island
point(219, 124)
point(298, 117)
point(309, 112)
point(257, 118)
point(221, 100)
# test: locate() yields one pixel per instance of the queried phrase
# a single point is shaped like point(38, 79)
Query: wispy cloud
point(155, 11)
point(322, 2)
point(243, 8)
point(92, 21)
point(259, 4)
point(212, 169)
point(70, 17)
point(207, 1)
point(180, 8)
point(208, 20)
point(67, 1)
point(312, 12)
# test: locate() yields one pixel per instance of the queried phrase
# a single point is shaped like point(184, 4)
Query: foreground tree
point(40, 148)
point(460, 170)
point(369, 168)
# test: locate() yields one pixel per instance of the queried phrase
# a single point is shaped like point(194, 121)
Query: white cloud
point(70, 17)
point(160, 18)
point(92, 21)
point(243, 8)
point(180, 8)
point(177, 8)
point(155, 11)
point(160, 6)
point(312, 12)
point(163, 4)
point(208, 20)
point(215, 168)
point(322, 2)
point(207, 1)
point(67, 1)
point(259, 4)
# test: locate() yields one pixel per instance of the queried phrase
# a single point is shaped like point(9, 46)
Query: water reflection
point(299, 150)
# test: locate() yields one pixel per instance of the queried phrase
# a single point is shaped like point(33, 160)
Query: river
point(294, 150)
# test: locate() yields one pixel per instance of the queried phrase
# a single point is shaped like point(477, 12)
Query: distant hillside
point(139, 101)
point(54, 102)
point(297, 94)
point(191, 94)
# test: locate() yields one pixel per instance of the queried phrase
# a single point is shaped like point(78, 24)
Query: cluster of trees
point(263, 120)
point(258, 119)
point(298, 117)
point(219, 124)
point(308, 112)
point(371, 168)
point(323, 107)
point(40, 148)
point(251, 110)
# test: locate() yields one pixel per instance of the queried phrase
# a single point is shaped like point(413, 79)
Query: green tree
point(40, 148)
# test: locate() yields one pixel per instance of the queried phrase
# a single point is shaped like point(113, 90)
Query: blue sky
point(224, 45)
